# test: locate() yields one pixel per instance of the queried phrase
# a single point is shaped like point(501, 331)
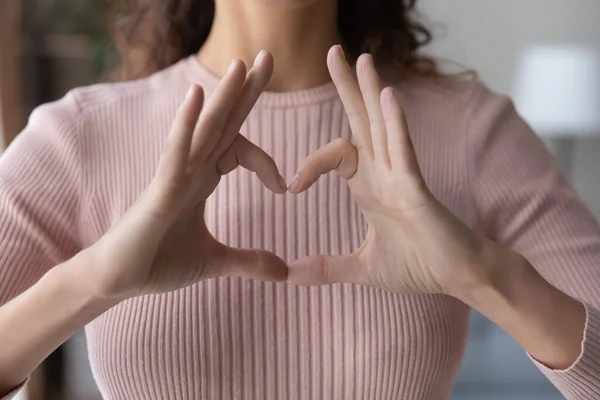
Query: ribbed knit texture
point(83, 160)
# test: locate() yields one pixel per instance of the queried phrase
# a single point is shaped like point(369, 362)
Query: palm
point(190, 253)
point(393, 265)
point(375, 188)
point(181, 258)
point(162, 243)
point(413, 243)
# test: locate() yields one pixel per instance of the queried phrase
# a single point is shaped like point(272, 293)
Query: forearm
point(546, 322)
point(39, 320)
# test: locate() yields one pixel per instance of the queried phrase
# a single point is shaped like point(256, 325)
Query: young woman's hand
point(413, 244)
point(162, 243)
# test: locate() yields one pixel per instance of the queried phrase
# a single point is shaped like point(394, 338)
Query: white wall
point(488, 35)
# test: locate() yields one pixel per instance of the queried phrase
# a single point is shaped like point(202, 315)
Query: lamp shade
point(557, 90)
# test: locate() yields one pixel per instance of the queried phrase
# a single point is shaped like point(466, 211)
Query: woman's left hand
point(413, 244)
point(416, 245)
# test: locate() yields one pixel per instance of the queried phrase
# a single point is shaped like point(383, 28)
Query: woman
point(95, 234)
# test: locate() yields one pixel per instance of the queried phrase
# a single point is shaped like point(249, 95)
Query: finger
point(370, 86)
point(326, 270)
point(347, 87)
point(243, 152)
point(339, 155)
point(253, 264)
point(216, 112)
point(175, 158)
point(402, 153)
point(256, 82)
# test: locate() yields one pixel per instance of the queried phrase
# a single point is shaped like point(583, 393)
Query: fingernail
point(341, 51)
point(282, 183)
point(190, 91)
point(390, 92)
point(259, 57)
point(231, 66)
point(295, 184)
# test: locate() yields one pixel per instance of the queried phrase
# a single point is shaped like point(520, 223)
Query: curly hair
point(154, 34)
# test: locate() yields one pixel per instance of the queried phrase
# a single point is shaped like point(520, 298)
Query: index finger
point(216, 111)
point(256, 82)
point(176, 155)
point(347, 87)
point(243, 152)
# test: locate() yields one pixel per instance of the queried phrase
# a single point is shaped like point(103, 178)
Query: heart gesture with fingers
point(413, 244)
point(162, 243)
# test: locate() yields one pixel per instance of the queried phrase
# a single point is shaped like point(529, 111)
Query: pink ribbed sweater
point(83, 160)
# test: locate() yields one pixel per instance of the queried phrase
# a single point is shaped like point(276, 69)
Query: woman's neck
point(298, 38)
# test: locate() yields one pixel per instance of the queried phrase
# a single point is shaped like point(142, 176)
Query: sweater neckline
point(210, 81)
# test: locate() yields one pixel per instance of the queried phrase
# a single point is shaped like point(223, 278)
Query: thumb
point(325, 270)
point(252, 264)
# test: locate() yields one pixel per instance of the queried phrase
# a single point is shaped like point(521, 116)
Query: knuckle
point(323, 268)
point(312, 161)
point(254, 155)
point(347, 156)
point(343, 143)
point(269, 166)
point(377, 121)
point(249, 162)
point(264, 157)
point(356, 117)
point(311, 158)
point(224, 166)
point(257, 262)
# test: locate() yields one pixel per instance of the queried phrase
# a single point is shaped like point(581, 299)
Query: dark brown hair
point(154, 34)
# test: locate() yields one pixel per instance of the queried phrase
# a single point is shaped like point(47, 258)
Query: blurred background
point(520, 48)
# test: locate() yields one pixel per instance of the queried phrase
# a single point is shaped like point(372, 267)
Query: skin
point(298, 33)
point(414, 244)
point(162, 243)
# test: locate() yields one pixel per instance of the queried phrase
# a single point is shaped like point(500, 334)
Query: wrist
point(545, 321)
point(483, 272)
point(81, 275)
point(44, 316)
point(501, 269)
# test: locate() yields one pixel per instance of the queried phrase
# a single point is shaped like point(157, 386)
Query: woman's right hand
point(162, 243)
